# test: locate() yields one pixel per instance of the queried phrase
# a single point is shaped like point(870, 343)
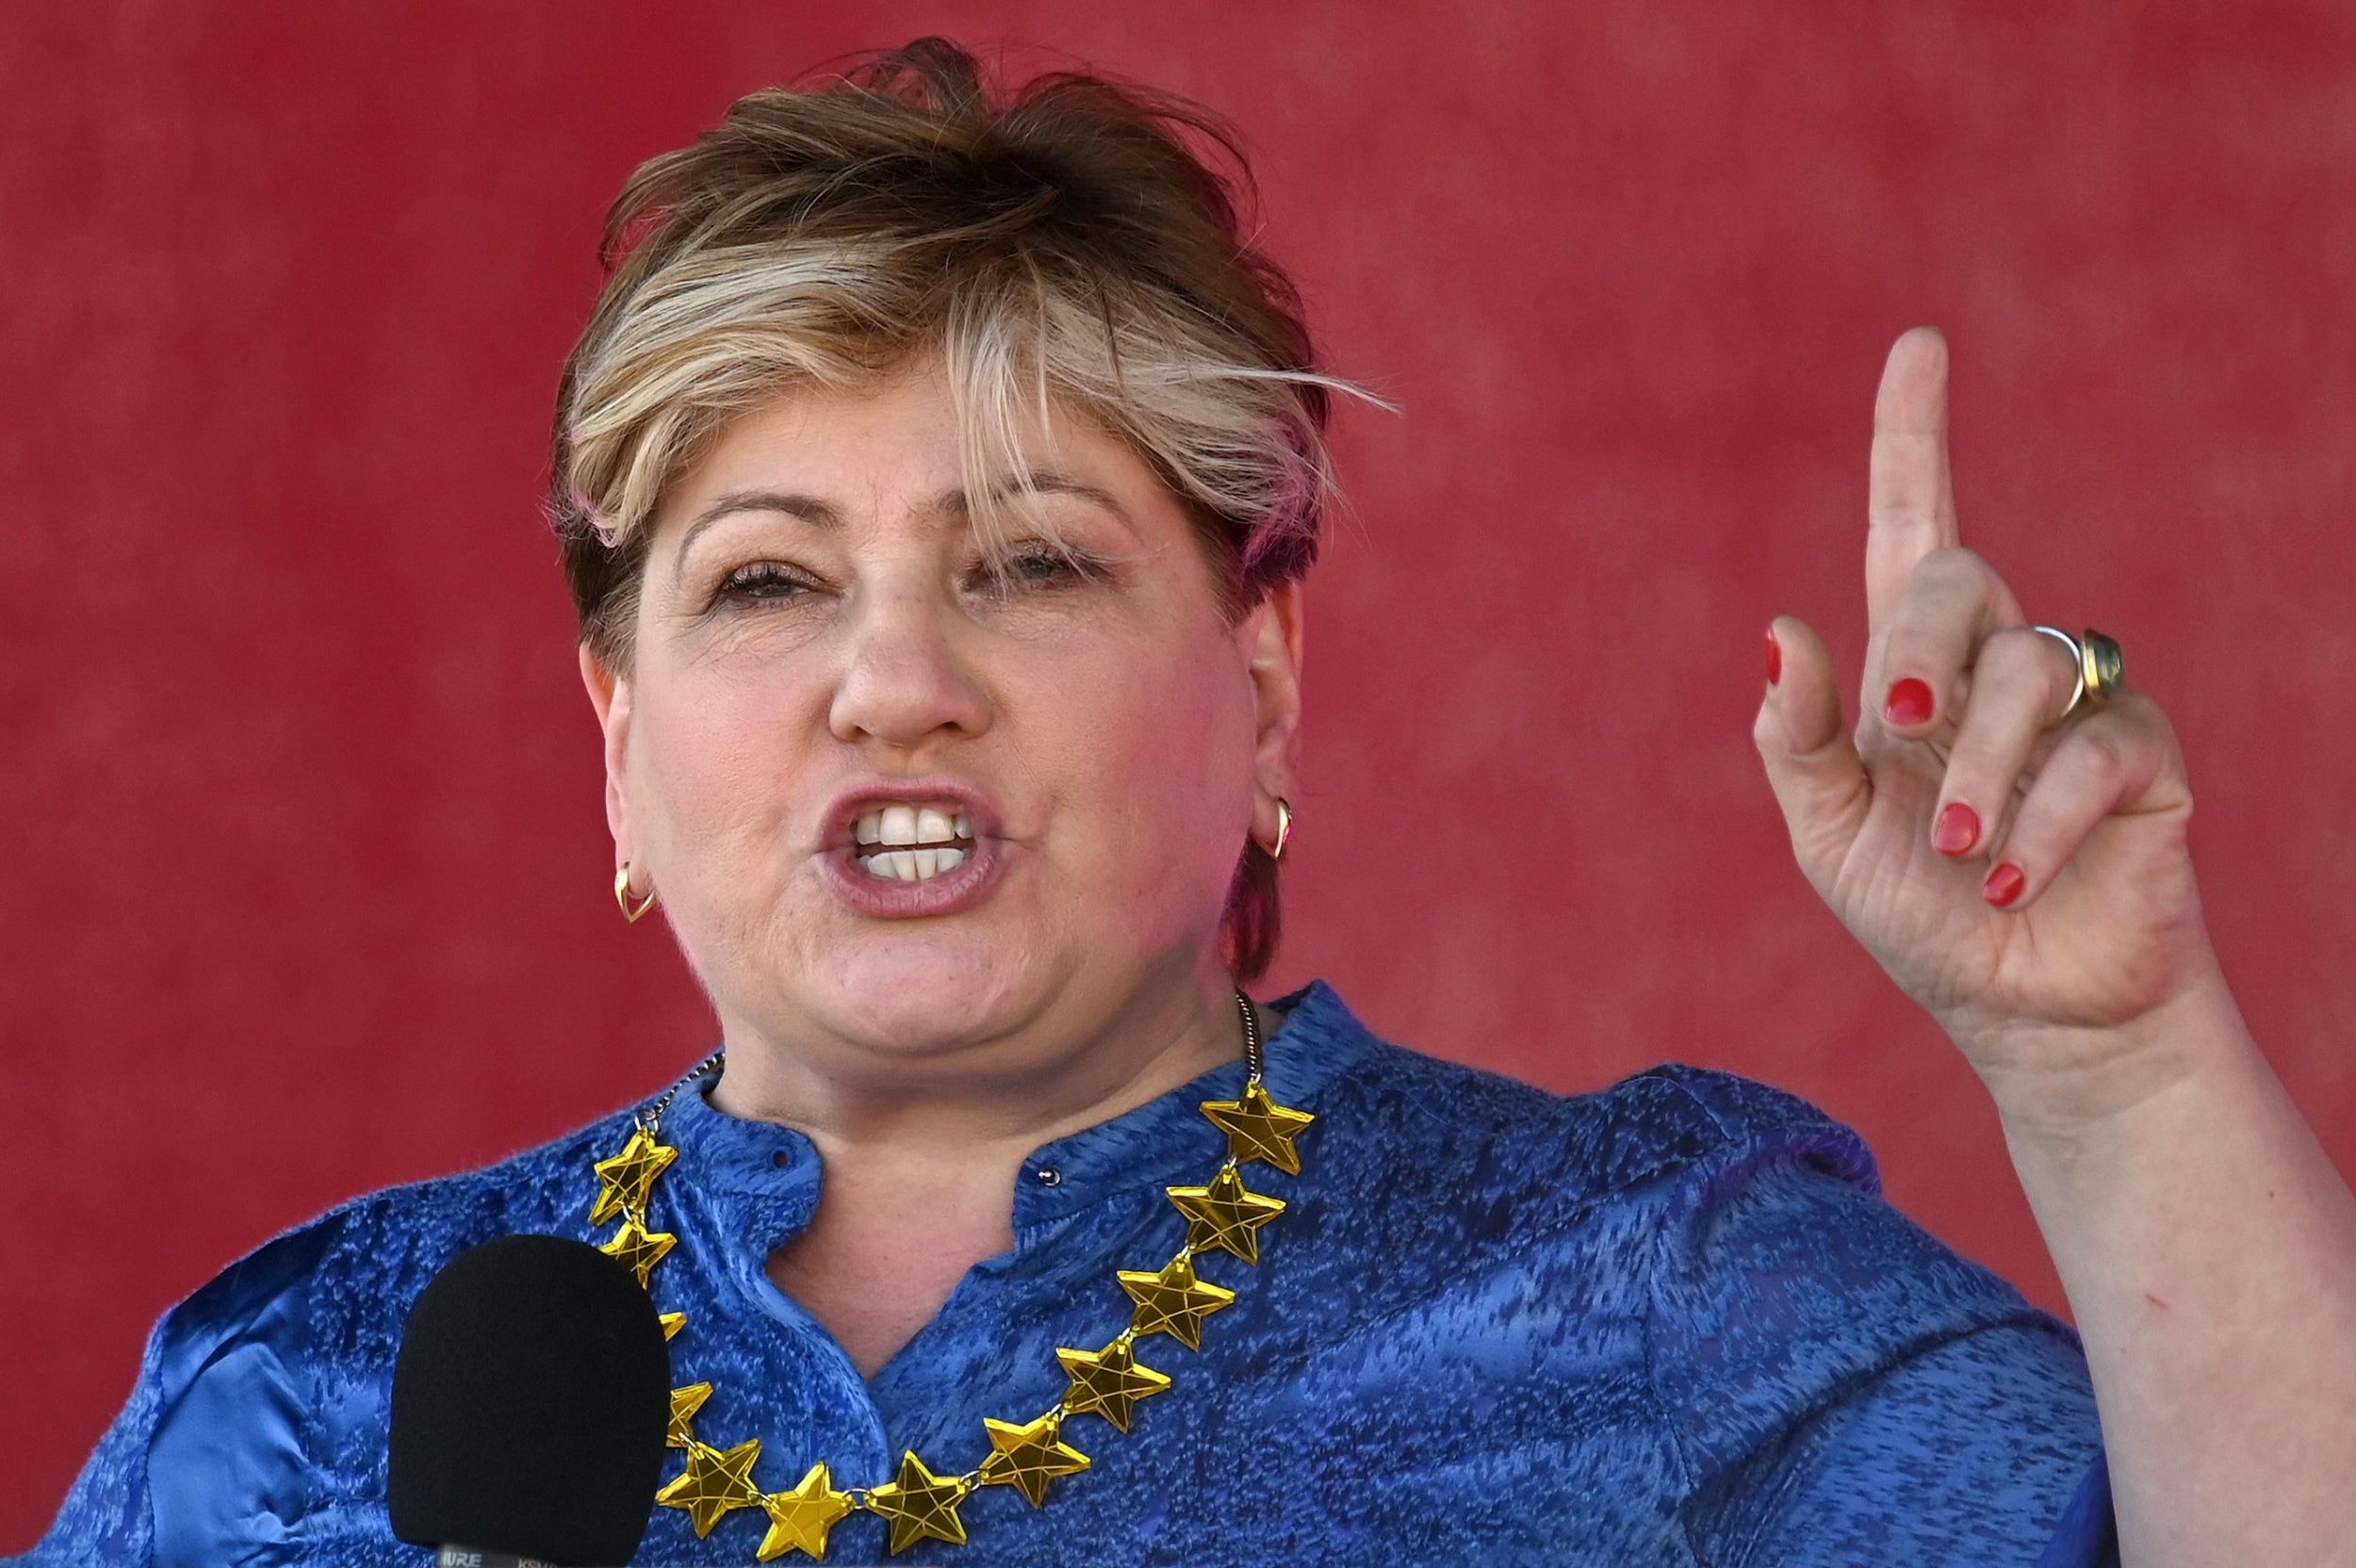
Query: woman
point(937, 477)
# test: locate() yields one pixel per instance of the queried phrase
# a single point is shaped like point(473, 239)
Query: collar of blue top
point(1161, 1141)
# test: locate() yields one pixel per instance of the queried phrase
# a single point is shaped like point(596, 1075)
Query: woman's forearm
point(2208, 1247)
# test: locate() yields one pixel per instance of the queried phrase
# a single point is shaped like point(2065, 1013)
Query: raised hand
point(2023, 876)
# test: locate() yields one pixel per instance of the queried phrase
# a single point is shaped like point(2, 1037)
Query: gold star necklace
point(1223, 1216)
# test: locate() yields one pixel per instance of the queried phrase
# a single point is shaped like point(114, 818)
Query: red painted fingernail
point(1910, 702)
point(1956, 830)
point(2003, 885)
point(1774, 658)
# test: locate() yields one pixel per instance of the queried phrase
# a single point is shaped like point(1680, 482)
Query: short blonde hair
point(1072, 246)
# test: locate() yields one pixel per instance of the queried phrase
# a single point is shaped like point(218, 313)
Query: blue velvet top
point(1671, 1322)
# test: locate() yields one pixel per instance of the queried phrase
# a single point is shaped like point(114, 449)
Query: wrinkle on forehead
point(1050, 458)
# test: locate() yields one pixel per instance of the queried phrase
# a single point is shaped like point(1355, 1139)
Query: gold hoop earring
point(621, 896)
point(1283, 829)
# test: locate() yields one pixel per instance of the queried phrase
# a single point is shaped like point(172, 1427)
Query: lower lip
point(889, 898)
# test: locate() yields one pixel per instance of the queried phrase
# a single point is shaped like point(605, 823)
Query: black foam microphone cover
point(531, 1400)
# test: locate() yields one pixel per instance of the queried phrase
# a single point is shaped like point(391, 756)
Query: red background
point(304, 879)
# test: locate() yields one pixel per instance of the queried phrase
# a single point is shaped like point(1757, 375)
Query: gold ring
point(2077, 662)
point(2099, 666)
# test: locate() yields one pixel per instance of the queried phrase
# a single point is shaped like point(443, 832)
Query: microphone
point(531, 1398)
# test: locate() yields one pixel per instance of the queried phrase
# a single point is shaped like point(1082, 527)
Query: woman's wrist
point(2066, 1084)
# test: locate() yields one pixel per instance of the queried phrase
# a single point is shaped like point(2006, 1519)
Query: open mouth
point(911, 843)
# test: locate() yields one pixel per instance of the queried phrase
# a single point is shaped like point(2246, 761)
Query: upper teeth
point(944, 834)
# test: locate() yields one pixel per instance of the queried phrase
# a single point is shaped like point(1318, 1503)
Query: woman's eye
point(1038, 567)
point(763, 580)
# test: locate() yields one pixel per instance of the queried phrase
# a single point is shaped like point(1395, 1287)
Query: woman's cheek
point(723, 760)
point(1178, 776)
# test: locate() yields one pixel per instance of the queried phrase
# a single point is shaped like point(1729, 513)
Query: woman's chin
point(922, 998)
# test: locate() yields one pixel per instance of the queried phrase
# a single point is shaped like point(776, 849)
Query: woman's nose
point(904, 682)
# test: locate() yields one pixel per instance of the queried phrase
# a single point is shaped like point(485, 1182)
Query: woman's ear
point(608, 693)
point(1271, 636)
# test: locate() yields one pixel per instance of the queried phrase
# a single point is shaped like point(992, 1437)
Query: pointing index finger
point(1910, 502)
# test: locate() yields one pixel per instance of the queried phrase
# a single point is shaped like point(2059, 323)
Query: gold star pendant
point(1225, 1216)
point(1028, 1457)
point(799, 1519)
point(713, 1483)
point(624, 1181)
point(672, 1323)
point(1108, 1382)
point(685, 1402)
point(1172, 1302)
point(1258, 1128)
point(637, 1247)
point(920, 1504)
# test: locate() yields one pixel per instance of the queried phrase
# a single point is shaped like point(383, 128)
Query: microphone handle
point(476, 1557)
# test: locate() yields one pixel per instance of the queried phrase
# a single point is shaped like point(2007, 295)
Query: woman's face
point(1069, 750)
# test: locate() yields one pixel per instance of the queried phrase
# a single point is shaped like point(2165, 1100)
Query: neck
point(921, 1160)
point(1028, 1086)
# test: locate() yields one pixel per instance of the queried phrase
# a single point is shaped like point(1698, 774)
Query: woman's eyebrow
point(809, 508)
point(953, 503)
point(1047, 481)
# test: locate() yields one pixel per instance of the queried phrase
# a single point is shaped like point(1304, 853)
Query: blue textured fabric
point(1671, 1322)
